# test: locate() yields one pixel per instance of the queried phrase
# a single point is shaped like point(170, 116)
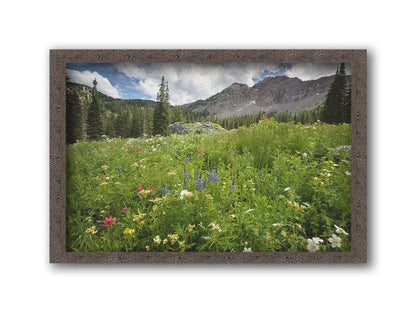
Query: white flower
point(347, 173)
point(335, 241)
point(185, 193)
point(249, 210)
point(335, 165)
point(287, 189)
point(317, 240)
point(329, 174)
point(277, 224)
point(312, 245)
point(247, 249)
point(340, 230)
point(206, 237)
point(305, 155)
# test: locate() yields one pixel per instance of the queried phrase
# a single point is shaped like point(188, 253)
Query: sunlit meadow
point(269, 187)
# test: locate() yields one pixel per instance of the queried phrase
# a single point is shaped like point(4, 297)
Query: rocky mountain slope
point(271, 94)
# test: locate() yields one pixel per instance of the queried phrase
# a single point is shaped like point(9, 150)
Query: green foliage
point(161, 118)
point(337, 107)
point(177, 115)
point(73, 117)
point(290, 182)
point(94, 119)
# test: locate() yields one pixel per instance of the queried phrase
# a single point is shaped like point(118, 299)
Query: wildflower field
point(268, 187)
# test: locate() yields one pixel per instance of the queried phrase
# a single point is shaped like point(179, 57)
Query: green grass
point(290, 185)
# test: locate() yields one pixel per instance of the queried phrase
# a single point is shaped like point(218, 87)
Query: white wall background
point(30, 28)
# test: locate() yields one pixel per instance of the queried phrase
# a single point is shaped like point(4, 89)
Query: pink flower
point(109, 221)
point(124, 209)
point(150, 187)
point(140, 189)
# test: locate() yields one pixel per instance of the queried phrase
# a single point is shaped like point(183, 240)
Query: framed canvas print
point(208, 156)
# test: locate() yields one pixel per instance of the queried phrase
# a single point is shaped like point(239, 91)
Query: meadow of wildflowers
point(269, 187)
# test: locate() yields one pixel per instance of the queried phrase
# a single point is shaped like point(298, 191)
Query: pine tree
point(333, 109)
point(346, 106)
point(73, 116)
point(94, 120)
point(177, 114)
point(161, 113)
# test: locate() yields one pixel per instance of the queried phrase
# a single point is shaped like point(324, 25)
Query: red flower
point(198, 150)
point(150, 187)
point(266, 119)
point(323, 122)
point(124, 209)
point(140, 189)
point(109, 221)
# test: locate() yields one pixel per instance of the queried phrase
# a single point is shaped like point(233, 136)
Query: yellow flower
point(280, 197)
point(157, 201)
point(91, 230)
point(209, 196)
point(283, 233)
point(164, 212)
point(190, 227)
point(104, 167)
point(216, 227)
point(165, 241)
point(128, 231)
point(144, 192)
point(157, 240)
point(316, 178)
point(135, 165)
point(171, 173)
point(104, 183)
point(139, 218)
point(182, 244)
point(147, 248)
point(173, 238)
point(88, 219)
point(232, 216)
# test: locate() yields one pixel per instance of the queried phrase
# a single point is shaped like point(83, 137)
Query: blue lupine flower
point(185, 173)
point(200, 184)
point(176, 195)
point(119, 169)
point(185, 186)
point(217, 177)
point(187, 160)
point(165, 190)
point(232, 187)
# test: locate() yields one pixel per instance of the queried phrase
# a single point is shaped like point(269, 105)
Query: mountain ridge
point(272, 94)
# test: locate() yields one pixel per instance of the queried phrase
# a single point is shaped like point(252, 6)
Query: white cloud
point(311, 71)
point(189, 82)
point(86, 77)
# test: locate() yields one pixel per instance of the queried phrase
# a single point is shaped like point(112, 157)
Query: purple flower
point(185, 173)
point(119, 169)
point(200, 184)
point(187, 160)
point(165, 190)
point(185, 186)
point(232, 187)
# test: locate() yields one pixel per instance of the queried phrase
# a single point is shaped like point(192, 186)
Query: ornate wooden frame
point(358, 61)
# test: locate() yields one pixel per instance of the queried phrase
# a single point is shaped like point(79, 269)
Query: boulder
point(178, 128)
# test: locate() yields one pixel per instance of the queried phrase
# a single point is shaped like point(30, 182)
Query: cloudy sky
point(188, 82)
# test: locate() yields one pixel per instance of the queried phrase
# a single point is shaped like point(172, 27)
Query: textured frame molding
point(358, 60)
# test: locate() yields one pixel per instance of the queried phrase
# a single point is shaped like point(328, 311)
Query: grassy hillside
point(270, 187)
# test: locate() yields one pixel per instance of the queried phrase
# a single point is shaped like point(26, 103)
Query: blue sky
point(188, 82)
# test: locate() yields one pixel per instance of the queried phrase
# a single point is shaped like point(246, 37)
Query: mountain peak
point(272, 94)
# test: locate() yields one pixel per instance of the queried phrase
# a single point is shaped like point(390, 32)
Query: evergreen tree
point(335, 99)
point(94, 119)
point(136, 124)
point(177, 114)
point(73, 116)
point(346, 106)
point(161, 113)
